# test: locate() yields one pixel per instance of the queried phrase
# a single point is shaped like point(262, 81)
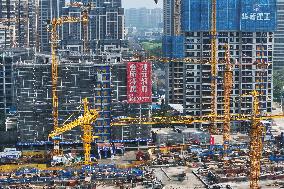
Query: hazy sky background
point(141, 3)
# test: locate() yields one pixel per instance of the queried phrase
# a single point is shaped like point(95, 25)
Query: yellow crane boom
point(89, 117)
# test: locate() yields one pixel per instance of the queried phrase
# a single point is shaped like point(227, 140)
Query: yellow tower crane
point(85, 21)
point(228, 84)
point(54, 64)
point(213, 127)
point(256, 135)
point(89, 117)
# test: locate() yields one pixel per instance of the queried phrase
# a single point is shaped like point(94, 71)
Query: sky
point(141, 3)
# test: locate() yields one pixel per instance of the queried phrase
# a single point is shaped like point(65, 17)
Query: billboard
point(139, 82)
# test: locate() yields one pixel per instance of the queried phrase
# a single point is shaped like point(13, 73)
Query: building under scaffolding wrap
point(248, 27)
point(76, 81)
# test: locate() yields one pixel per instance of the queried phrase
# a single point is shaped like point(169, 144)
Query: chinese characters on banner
point(139, 82)
point(212, 140)
point(256, 16)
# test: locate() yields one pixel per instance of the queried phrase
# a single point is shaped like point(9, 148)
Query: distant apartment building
point(105, 28)
point(144, 18)
point(248, 27)
point(168, 18)
point(278, 55)
point(24, 22)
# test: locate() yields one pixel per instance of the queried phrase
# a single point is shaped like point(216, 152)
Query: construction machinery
point(256, 132)
point(89, 117)
point(214, 46)
point(85, 10)
point(228, 84)
point(256, 135)
point(54, 41)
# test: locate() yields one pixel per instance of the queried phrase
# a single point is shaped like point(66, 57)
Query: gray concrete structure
point(32, 81)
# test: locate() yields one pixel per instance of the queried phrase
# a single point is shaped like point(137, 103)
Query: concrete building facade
point(120, 108)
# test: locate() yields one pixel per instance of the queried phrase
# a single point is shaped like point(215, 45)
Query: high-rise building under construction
point(247, 26)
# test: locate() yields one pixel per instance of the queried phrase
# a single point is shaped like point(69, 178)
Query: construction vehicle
point(54, 41)
point(142, 156)
point(85, 122)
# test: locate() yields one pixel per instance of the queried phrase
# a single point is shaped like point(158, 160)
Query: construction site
point(87, 120)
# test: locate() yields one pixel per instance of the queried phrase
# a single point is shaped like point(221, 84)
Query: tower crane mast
point(228, 84)
point(54, 69)
point(213, 127)
point(256, 135)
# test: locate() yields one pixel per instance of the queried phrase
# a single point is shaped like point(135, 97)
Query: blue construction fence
point(232, 15)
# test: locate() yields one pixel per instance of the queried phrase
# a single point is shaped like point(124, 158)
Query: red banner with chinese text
point(139, 82)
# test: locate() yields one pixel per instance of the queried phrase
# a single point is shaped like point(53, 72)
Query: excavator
point(85, 121)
